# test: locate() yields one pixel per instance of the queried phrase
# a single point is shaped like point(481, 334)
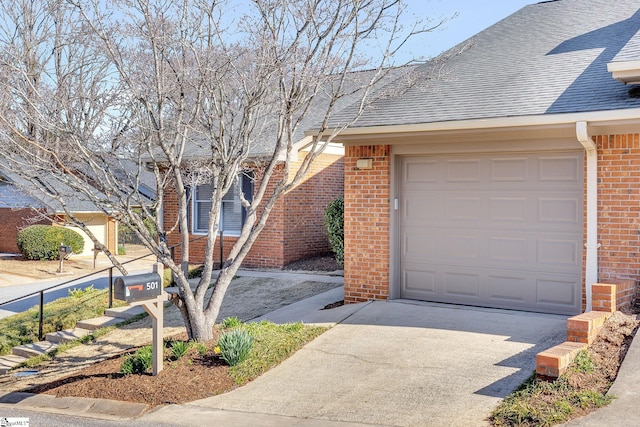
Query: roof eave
point(546, 125)
point(628, 72)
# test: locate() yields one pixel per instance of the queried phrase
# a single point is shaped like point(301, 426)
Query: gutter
point(592, 245)
point(595, 118)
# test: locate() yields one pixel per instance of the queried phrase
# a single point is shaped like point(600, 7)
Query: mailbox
point(65, 250)
point(137, 287)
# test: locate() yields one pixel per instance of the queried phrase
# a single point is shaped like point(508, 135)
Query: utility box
point(137, 287)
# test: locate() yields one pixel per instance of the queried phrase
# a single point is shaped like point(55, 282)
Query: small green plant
point(138, 363)
point(583, 362)
point(80, 292)
point(234, 346)
point(42, 242)
point(201, 348)
point(121, 250)
point(179, 348)
point(231, 322)
point(545, 403)
point(334, 223)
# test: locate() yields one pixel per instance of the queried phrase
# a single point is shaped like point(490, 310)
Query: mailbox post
point(146, 290)
point(64, 251)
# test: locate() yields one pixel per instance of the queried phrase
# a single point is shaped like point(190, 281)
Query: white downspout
point(592, 245)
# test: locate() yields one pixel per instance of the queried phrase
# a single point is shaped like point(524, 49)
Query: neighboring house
point(22, 205)
point(295, 228)
point(513, 179)
point(15, 214)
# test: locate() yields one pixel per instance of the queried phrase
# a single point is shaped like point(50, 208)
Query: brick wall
point(304, 207)
point(618, 207)
point(14, 220)
point(268, 249)
point(367, 224)
point(294, 229)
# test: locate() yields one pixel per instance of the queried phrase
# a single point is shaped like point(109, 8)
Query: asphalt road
point(42, 419)
point(9, 293)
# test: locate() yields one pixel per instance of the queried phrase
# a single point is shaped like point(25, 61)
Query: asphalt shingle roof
point(547, 58)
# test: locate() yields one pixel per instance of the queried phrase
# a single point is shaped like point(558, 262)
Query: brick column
point(367, 224)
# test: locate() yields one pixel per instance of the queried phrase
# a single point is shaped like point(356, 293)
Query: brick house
point(295, 228)
point(26, 202)
point(512, 180)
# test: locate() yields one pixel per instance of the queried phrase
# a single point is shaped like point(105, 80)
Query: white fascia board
point(627, 72)
point(599, 122)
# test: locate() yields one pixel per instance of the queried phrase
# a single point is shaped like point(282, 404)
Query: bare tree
point(197, 91)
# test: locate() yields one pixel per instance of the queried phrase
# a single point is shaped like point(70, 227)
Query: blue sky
point(473, 17)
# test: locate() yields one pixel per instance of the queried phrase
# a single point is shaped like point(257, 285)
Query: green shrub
point(334, 223)
point(42, 242)
point(138, 363)
point(235, 346)
point(231, 322)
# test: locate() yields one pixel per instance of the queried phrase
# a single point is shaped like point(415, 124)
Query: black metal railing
point(110, 283)
point(59, 285)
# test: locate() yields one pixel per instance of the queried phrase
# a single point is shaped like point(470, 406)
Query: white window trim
point(230, 233)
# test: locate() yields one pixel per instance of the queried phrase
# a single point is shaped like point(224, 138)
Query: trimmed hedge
point(334, 223)
point(42, 242)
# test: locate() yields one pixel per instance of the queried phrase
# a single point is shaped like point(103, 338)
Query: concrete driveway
point(400, 363)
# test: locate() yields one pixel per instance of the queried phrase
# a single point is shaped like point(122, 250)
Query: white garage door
point(495, 230)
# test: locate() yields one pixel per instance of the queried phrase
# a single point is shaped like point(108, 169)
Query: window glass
point(231, 211)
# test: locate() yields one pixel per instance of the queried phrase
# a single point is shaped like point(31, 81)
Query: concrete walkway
point(387, 363)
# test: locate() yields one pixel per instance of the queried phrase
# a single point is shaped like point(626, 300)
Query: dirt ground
point(74, 266)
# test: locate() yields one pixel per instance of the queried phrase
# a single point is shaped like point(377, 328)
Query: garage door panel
point(555, 292)
point(559, 210)
point(463, 247)
point(509, 170)
point(493, 230)
point(512, 209)
point(419, 282)
point(464, 171)
point(557, 252)
point(508, 249)
point(421, 172)
point(559, 169)
point(420, 245)
point(464, 208)
point(509, 289)
point(462, 284)
point(420, 208)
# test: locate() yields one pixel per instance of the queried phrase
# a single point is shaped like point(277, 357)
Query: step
point(98, 322)
point(67, 335)
point(125, 312)
point(34, 349)
point(9, 361)
point(584, 327)
point(553, 362)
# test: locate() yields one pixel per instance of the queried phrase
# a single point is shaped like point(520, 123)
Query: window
point(232, 214)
